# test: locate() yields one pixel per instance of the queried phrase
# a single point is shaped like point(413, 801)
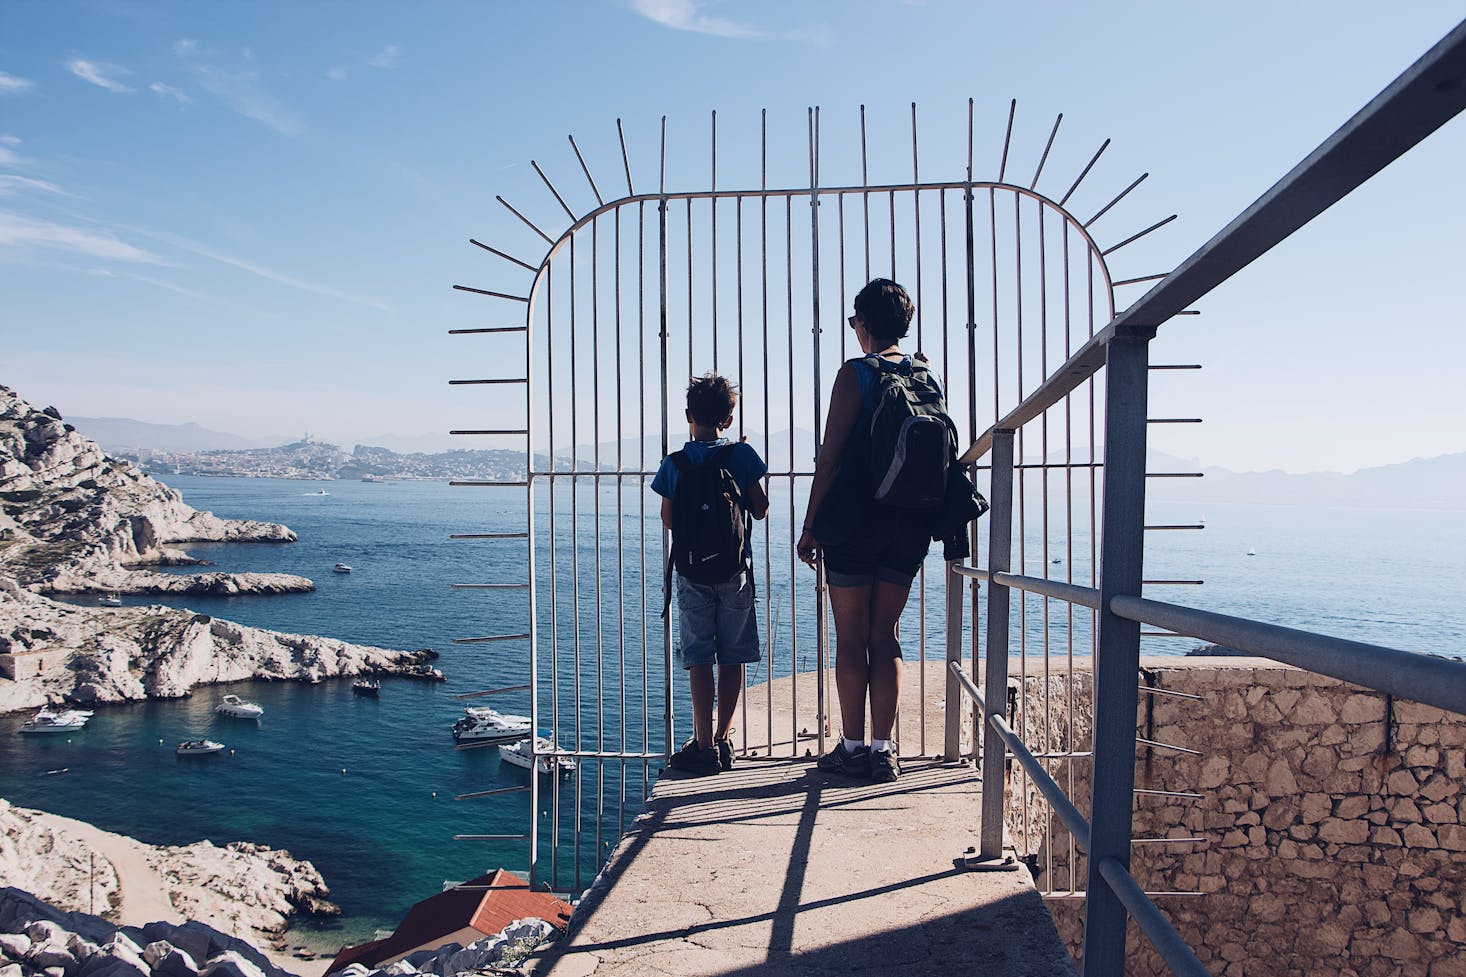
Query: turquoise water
point(381, 832)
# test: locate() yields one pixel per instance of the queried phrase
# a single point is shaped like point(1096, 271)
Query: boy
point(716, 620)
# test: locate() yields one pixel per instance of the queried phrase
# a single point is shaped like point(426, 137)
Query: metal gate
point(640, 292)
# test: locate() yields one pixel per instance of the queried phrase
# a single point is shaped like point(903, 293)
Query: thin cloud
point(686, 15)
point(168, 91)
point(338, 72)
point(10, 185)
point(12, 85)
point(204, 251)
point(10, 140)
point(240, 89)
point(7, 158)
point(100, 74)
point(386, 59)
point(19, 231)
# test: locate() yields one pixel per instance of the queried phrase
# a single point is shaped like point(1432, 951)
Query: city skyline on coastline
point(250, 218)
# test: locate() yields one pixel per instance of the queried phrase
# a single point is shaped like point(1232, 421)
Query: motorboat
point(318, 492)
point(198, 747)
point(519, 754)
point(341, 568)
point(232, 705)
point(366, 686)
point(110, 600)
point(51, 721)
point(487, 726)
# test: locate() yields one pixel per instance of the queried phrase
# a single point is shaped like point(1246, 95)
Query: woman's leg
point(887, 601)
point(851, 609)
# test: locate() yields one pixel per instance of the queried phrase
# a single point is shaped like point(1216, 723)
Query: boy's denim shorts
point(717, 622)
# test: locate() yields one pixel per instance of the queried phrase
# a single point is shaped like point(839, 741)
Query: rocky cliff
point(74, 520)
point(119, 654)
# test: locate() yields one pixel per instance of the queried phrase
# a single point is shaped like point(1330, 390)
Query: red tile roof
point(487, 904)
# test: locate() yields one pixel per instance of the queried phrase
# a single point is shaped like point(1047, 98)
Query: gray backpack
point(912, 440)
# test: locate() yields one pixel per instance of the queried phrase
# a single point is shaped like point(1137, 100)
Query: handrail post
point(952, 741)
point(1000, 550)
point(1117, 656)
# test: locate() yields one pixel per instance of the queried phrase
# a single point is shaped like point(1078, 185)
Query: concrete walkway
point(776, 868)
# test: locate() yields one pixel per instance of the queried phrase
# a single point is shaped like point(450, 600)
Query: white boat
point(110, 600)
point(341, 568)
point(366, 686)
point(1251, 551)
point(318, 492)
point(51, 721)
point(519, 755)
point(483, 725)
point(233, 705)
point(198, 747)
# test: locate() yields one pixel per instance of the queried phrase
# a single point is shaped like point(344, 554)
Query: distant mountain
point(118, 434)
point(1422, 483)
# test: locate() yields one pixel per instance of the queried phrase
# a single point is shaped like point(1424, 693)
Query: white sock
point(852, 745)
point(883, 746)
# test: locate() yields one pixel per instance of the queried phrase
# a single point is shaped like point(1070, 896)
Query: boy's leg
point(700, 678)
point(730, 685)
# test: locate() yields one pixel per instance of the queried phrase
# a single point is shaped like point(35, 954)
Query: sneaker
point(725, 753)
point(884, 767)
point(841, 760)
point(695, 760)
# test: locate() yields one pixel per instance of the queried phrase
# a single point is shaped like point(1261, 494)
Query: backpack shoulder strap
point(723, 453)
point(680, 459)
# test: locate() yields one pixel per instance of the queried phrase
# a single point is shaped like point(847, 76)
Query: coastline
point(148, 880)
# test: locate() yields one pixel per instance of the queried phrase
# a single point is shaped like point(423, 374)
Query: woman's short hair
point(711, 399)
point(885, 309)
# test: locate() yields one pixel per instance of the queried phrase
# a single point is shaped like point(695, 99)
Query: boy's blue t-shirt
point(744, 465)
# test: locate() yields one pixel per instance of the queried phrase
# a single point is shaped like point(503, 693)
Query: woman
point(871, 552)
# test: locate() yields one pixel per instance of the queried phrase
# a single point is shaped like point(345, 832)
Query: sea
point(364, 787)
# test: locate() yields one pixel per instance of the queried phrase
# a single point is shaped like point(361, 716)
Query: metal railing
point(1424, 97)
point(638, 289)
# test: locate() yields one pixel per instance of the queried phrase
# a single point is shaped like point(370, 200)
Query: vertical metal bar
point(952, 739)
point(821, 656)
point(763, 204)
point(742, 427)
point(691, 313)
point(921, 570)
point(554, 578)
point(1115, 692)
point(641, 345)
point(667, 711)
point(625, 158)
point(620, 531)
point(575, 556)
point(1000, 548)
point(595, 481)
point(534, 634)
point(713, 270)
point(865, 195)
point(793, 592)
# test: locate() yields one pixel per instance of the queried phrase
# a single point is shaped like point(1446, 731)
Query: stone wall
point(1332, 821)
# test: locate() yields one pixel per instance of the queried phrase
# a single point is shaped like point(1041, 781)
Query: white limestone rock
point(230, 964)
point(155, 652)
point(14, 946)
point(73, 520)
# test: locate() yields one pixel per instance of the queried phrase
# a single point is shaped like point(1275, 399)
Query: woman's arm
point(844, 410)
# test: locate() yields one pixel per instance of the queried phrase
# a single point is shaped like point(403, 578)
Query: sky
point(250, 215)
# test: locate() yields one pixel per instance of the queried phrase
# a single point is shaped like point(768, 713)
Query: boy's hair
point(885, 308)
point(711, 399)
